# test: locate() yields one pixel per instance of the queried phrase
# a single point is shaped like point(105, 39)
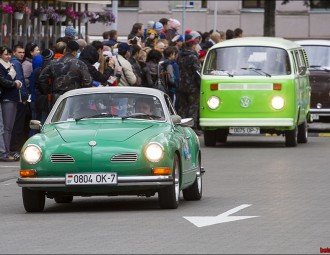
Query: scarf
point(9, 67)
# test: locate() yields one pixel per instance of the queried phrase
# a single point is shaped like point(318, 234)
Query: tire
point(222, 135)
point(168, 197)
point(210, 138)
point(195, 191)
point(302, 132)
point(291, 138)
point(33, 200)
point(63, 199)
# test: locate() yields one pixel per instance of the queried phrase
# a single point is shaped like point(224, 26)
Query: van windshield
point(247, 60)
point(318, 56)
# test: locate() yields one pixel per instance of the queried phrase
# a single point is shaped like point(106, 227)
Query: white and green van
point(255, 85)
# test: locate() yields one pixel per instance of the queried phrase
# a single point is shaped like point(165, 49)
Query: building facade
point(293, 20)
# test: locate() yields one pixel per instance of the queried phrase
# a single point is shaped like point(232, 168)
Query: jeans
point(9, 109)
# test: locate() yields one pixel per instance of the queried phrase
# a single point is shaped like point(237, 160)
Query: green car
point(111, 141)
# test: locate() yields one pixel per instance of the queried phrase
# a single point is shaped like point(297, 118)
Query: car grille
point(125, 157)
point(61, 158)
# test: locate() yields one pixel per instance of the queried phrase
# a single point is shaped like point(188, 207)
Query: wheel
point(222, 135)
point(33, 200)
point(168, 197)
point(302, 132)
point(194, 192)
point(63, 199)
point(291, 138)
point(210, 138)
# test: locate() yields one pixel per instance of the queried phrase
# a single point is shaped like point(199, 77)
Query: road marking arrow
point(203, 221)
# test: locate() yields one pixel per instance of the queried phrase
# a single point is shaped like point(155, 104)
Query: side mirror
point(187, 122)
point(176, 119)
point(35, 124)
point(302, 70)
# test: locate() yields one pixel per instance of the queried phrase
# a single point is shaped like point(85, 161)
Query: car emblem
point(92, 143)
point(245, 102)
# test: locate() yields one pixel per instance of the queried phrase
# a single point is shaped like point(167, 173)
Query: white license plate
point(315, 116)
point(91, 179)
point(244, 130)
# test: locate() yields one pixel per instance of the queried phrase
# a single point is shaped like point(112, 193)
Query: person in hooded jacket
point(90, 56)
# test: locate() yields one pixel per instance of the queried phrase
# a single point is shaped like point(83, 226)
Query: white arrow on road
point(203, 221)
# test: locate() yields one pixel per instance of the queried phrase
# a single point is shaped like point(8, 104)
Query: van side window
point(294, 62)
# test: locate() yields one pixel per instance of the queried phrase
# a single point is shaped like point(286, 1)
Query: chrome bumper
point(246, 122)
point(37, 182)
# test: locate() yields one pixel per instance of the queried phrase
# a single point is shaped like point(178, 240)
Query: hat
point(188, 39)
point(150, 24)
point(73, 45)
point(194, 34)
point(151, 31)
point(107, 53)
point(201, 53)
point(47, 54)
point(180, 39)
point(70, 32)
point(208, 45)
point(123, 48)
point(174, 23)
point(187, 31)
point(158, 26)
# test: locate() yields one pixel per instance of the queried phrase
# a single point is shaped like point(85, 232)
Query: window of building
point(253, 3)
point(126, 3)
point(319, 4)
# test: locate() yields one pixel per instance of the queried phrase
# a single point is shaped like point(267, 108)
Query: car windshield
point(109, 105)
point(247, 60)
point(318, 56)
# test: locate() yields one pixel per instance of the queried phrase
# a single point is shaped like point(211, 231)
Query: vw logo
point(245, 102)
point(92, 143)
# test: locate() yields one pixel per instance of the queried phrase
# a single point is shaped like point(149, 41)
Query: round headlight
point(154, 152)
point(32, 154)
point(213, 102)
point(278, 102)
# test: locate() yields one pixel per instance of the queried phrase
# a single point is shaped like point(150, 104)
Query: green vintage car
point(111, 141)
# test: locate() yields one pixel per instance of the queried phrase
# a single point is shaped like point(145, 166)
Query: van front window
point(247, 60)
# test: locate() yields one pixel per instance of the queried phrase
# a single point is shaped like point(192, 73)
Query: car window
point(108, 105)
point(247, 60)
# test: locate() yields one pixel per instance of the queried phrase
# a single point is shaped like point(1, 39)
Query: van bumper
point(246, 122)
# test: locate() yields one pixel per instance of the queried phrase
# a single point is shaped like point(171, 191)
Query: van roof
point(259, 41)
point(314, 42)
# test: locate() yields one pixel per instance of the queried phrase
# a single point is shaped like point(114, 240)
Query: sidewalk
point(9, 171)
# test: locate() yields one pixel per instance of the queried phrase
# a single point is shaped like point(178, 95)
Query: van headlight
point(213, 102)
point(32, 154)
point(278, 102)
point(154, 152)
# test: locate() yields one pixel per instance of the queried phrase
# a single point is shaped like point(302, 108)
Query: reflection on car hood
point(117, 132)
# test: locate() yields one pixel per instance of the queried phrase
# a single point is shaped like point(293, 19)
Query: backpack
point(161, 82)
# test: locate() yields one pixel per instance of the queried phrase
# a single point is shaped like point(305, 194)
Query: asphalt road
point(286, 188)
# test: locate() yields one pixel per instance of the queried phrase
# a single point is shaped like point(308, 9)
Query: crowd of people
point(155, 55)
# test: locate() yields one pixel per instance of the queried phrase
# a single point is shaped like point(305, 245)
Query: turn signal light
point(28, 173)
point(214, 86)
point(161, 170)
point(277, 86)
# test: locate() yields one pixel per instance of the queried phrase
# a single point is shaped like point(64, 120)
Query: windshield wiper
point(320, 67)
point(257, 70)
point(136, 115)
point(96, 115)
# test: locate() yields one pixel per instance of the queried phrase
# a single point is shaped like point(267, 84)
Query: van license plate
point(91, 179)
point(315, 116)
point(244, 130)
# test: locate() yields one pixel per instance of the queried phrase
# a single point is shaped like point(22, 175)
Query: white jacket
point(128, 77)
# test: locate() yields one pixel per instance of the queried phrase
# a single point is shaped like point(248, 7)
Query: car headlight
point(278, 102)
point(32, 154)
point(213, 102)
point(154, 152)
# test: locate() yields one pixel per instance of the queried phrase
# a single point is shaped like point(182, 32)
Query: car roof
point(276, 42)
point(314, 42)
point(115, 89)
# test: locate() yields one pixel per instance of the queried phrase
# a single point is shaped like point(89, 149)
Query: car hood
point(85, 131)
